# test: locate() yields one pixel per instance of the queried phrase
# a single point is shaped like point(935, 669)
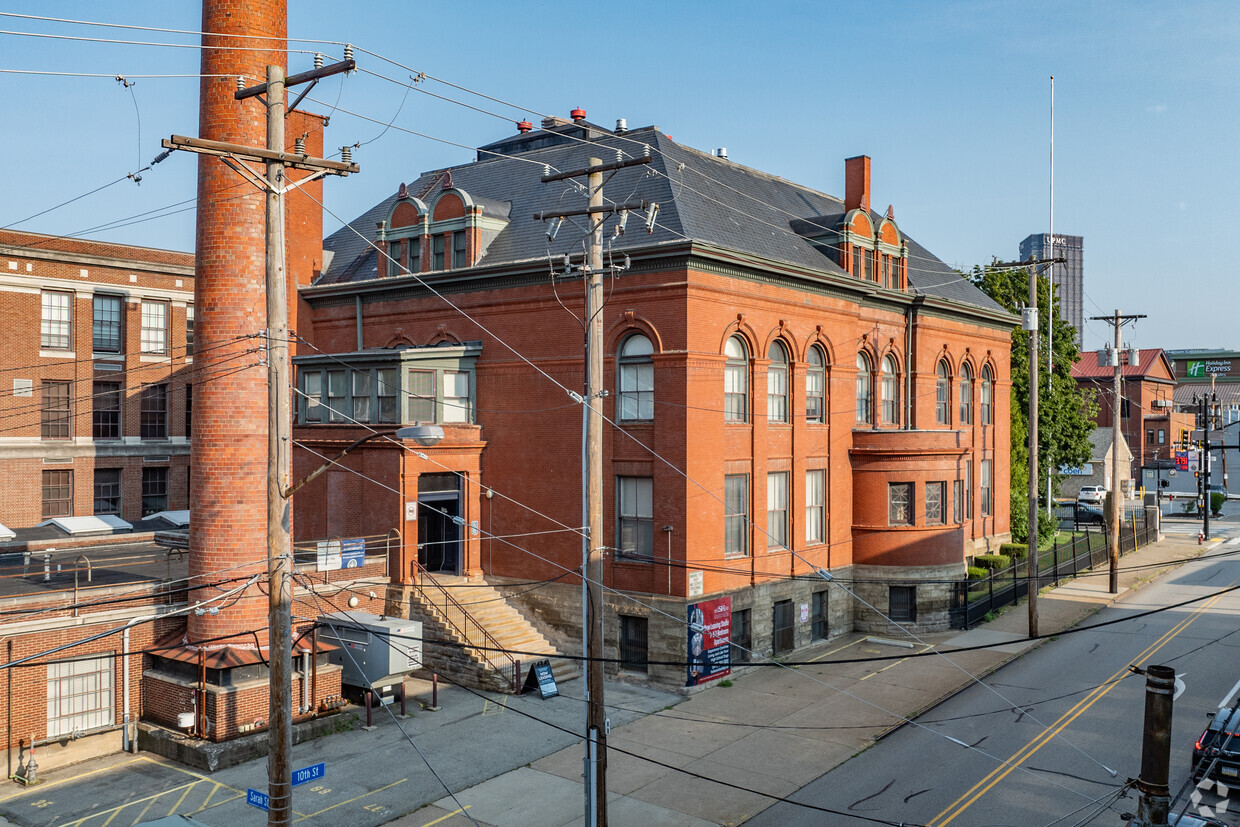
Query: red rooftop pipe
point(578, 114)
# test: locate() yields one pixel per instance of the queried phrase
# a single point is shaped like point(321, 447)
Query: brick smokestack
point(857, 183)
point(228, 536)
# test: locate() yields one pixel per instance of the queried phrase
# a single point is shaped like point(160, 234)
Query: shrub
point(994, 562)
point(976, 573)
point(1217, 498)
point(1017, 551)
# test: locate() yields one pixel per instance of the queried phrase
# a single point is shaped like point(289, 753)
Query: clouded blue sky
point(950, 99)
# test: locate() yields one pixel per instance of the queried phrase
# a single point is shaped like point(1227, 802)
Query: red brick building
point(794, 383)
point(1149, 418)
point(98, 374)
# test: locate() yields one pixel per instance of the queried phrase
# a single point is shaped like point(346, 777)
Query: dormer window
point(459, 254)
point(437, 248)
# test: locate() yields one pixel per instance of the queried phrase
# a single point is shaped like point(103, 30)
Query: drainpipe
point(357, 312)
point(910, 321)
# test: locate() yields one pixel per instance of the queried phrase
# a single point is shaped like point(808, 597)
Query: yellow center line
point(999, 773)
point(895, 663)
point(448, 816)
point(351, 800)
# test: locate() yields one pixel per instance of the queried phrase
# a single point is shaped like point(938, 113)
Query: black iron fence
point(1071, 554)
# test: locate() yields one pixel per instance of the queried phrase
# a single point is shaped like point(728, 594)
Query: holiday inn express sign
point(1200, 369)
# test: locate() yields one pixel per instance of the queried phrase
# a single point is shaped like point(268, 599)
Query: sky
point(950, 99)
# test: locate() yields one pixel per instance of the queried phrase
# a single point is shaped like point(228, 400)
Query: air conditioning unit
point(372, 650)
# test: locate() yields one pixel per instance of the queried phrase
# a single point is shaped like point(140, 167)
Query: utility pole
point(1205, 418)
point(1029, 322)
point(1117, 506)
point(597, 725)
point(1155, 794)
point(279, 543)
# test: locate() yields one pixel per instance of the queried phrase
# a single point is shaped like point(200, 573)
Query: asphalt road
point(372, 777)
point(1042, 733)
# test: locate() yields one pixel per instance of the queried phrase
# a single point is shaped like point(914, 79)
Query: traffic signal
point(1164, 483)
point(1184, 439)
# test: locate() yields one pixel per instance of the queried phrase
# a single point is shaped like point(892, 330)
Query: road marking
point(895, 663)
point(351, 800)
point(837, 649)
point(448, 816)
point(1230, 694)
point(115, 811)
point(45, 784)
point(142, 814)
point(181, 800)
point(1024, 753)
point(1234, 541)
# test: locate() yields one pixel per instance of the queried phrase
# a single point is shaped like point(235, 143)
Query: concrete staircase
point(456, 610)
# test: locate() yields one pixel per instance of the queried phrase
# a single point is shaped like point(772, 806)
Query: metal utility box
point(372, 649)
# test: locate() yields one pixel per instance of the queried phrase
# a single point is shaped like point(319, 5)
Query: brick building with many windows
point(98, 370)
point(793, 382)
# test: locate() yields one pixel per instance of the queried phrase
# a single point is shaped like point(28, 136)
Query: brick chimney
point(857, 183)
point(228, 528)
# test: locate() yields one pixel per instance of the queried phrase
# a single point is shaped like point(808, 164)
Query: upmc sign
point(1199, 369)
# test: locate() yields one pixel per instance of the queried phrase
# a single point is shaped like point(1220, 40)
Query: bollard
point(403, 713)
point(434, 707)
point(516, 677)
point(370, 724)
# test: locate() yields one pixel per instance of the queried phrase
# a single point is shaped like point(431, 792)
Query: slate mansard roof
point(701, 198)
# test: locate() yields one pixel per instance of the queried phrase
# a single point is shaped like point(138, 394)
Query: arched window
point(736, 381)
point(942, 395)
point(777, 384)
point(636, 378)
point(966, 394)
point(816, 386)
point(891, 392)
point(865, 395)
point(988, 391)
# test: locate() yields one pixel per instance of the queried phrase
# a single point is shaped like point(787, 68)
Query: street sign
point(310, 773)
point(257, 799)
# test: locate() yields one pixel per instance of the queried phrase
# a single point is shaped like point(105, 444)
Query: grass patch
point(725, 683)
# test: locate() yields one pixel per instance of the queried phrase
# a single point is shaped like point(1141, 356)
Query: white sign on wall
point(411, 511)
point(696, 583)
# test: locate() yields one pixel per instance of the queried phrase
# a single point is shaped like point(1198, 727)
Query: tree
point(1065, 413)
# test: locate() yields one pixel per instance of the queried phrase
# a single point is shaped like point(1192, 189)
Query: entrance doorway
point(439, 535)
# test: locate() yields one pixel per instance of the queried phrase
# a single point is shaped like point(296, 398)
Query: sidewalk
point(726, 733)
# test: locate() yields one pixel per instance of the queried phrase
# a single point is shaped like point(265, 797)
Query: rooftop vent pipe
point(622, 125)
point(722, 152)
point(578, 114)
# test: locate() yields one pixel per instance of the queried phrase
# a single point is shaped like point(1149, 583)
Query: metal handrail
point(489, 639)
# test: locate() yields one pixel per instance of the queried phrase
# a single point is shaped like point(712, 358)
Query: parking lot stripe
point(142, 814)
point(116, 810)
point(448, 816)
point(1231, 693)
point(44, 785)
point(351, 800)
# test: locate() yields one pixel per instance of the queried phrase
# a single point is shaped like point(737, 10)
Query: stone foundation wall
point(933, 584)
point(556, 609)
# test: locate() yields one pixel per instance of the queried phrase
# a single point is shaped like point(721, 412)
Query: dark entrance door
point(439, 536)
point(781, 627)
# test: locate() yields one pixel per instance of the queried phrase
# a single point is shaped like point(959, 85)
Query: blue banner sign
point(353, 553)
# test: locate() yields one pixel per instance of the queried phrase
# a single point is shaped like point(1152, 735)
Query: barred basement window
point(741, 636)
point(902, 604)
point(80, 695)
point(820, 615)
point(633, 643)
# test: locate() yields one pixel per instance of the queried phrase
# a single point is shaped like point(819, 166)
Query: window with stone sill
point(636, 378)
